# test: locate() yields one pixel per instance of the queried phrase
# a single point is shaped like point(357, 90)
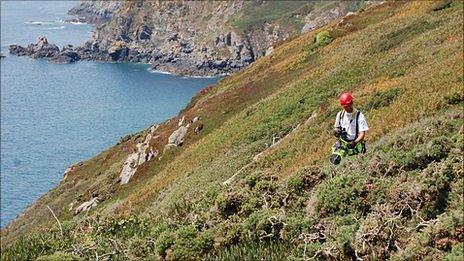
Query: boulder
point(181, 121)
point(198, 128)
point(177, 137)
point(86, 206)
point(129, 168)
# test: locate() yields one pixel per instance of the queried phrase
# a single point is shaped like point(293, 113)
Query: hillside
point(246, 174)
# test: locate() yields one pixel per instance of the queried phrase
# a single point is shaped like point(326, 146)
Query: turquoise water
point(53, 115)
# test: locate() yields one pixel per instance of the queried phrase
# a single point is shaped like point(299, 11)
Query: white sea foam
point(185, 76)
point(56, 28)
point(202, 77)
point(38, 22)
point(158, 71)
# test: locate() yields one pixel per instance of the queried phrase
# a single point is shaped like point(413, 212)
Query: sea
point(54, 115)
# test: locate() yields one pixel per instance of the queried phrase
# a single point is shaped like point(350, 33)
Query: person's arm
point(336, 129)
point(337, 121)
point(360, 137)
point(362, 131)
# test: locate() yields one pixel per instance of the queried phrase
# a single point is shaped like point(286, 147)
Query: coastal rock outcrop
point(43, 49)
point(142, 154)
point(177, 137)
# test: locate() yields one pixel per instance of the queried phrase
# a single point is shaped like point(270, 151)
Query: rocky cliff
point(197, 37)
point(95, 12)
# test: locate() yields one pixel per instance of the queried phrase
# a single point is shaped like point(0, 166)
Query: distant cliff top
point(202, 37)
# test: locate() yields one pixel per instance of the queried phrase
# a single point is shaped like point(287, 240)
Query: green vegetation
point(401, 201)
point(382, 98)
point(322, 39)
point(260, 12)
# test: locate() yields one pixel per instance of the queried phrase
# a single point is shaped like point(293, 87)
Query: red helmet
point(346, 99)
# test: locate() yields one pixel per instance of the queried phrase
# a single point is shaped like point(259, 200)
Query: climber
point(350, 129)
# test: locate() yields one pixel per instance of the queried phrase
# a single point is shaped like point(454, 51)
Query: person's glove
point(337, 132)
point(351, 145)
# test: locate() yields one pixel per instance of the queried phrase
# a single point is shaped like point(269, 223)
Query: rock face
point(95, 12)
point(187, 37)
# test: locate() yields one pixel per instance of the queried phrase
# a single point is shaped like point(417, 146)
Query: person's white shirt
point(348, 121)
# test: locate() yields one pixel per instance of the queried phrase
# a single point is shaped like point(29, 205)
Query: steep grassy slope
point(268, 127)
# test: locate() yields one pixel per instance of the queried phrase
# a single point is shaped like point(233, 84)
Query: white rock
point(129, 168)
point(86, 206)
point(350, 13)
point(177, 137)
point(67, 171)
point(181, 121)
point(153, 128)
point(269, 50)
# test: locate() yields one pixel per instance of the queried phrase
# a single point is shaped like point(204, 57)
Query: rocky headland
point(189, 37)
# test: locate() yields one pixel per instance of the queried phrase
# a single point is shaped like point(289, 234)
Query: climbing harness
point(341, 148)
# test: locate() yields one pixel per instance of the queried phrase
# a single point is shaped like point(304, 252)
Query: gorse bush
point(455, 98)
point(382, 98)
point(322, 39)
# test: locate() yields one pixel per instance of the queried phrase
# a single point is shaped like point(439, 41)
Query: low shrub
point(322, 39)
point(264, 224)
point(454, 98)
point(382, 98)
point(341, 195)
point(58, 256)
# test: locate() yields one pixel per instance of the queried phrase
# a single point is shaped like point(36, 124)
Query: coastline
point(65, 162)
